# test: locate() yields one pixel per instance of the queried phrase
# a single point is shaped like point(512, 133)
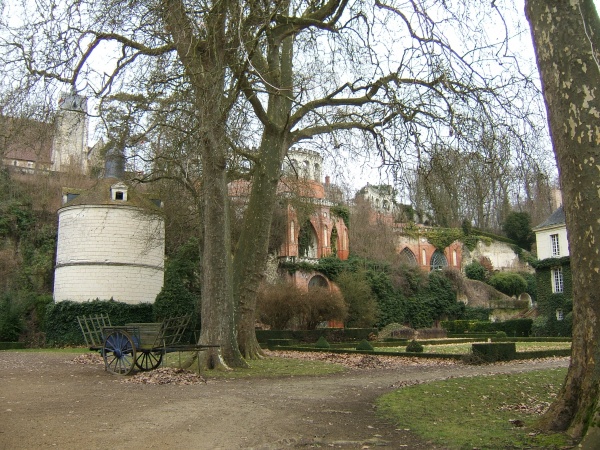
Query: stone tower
point(70, 143)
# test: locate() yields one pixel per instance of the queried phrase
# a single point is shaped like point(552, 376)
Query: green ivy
point(342, 212)
point(441, 238)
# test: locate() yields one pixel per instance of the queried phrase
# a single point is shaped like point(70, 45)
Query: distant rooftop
point(556, 218)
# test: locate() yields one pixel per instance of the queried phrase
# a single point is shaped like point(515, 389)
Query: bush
point(362, 307)
point(62, 327)
point(414, 347)
point(365, 345)
point(284, 306)
point(475, 271)
point(508, 283)
point(496, 351)
point(278, 304)
point(322, 343)
point(174, 300)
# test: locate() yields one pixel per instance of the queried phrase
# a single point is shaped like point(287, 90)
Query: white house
point(551, 236)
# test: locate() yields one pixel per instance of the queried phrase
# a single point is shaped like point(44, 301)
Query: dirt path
point(48, 401)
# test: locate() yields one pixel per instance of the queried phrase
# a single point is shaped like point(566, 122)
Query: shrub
point(11, 319)
point(475, 271)
point(365, 345)
point(404, 333)
point(362, 307)
point(432, 333)
point(414, 347)
point(508, 283)
point(497, 351)
point(320, 305)
point(278, 304)
point(322, 343)
point(284, 306)
point(174, 300)
point(62, 327)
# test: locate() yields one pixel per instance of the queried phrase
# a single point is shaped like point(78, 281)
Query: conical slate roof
point(100, 195)
point(556, 218)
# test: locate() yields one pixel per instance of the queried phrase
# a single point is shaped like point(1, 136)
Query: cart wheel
point(148, 360)
point(119, 353)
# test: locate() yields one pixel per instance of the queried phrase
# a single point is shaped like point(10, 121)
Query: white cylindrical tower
point(110, 245)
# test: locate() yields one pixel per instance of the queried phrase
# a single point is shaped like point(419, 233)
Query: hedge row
point(512, 328)
point(62, 327)
point(312, 336)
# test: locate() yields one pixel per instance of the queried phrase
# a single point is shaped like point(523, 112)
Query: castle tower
point(111, 244)
point(70, 143)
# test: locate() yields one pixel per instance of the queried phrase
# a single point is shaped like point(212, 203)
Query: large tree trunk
point(251, 254)
point(217, 309)
point(565, 35)
point(204, 61)
point(252, 250)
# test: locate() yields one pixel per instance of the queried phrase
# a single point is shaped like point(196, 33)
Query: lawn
point(487, 412)
point(464, 348)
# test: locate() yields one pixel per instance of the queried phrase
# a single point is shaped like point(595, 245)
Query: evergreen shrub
point(475, 271)
point(322, 343)
point(63, 329)
point(365, 345)
point(495, 351)
point(509, 283)
point(414, 347)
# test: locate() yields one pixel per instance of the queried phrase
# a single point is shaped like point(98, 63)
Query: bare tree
point(565, 37)
point(319, 74)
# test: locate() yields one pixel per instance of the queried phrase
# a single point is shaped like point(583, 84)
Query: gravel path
point(48, 400)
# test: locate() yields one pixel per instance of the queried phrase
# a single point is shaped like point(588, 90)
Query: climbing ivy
point(342, 212)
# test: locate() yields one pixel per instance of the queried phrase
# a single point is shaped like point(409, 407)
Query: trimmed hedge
point(311, 336)
point(496, 351)
point(12, 345)
point(62, 328)
point(512, 328)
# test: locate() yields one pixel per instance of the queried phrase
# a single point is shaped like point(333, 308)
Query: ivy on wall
point(547, 324)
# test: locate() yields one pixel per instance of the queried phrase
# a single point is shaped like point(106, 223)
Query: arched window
point(307, 241)
point(408, 257)
point(438, 261)
point(334, 241)
point(318, 281)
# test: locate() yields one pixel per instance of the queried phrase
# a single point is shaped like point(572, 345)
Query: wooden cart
point(141, 345)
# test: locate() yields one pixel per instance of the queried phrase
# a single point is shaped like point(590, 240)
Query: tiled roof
point(556, 218)
point(26, 139)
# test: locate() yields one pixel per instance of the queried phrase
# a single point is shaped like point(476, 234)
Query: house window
point(559, 314)
point(557, 280)
point(555, 245)
point(119, 195)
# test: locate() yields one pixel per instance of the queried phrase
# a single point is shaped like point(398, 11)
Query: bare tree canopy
point(193, 89)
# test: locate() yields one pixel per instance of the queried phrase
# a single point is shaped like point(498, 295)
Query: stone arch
point(408, 257)
point(318, 281)
point(438, 260)
point(307, 241)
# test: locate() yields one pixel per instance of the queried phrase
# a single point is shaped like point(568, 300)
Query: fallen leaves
point(165, 375)
point(361, 361)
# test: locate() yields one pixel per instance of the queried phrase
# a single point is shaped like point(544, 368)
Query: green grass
point(464, 348)
point(76, 350)
point(468, 413)
point(269, 367)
